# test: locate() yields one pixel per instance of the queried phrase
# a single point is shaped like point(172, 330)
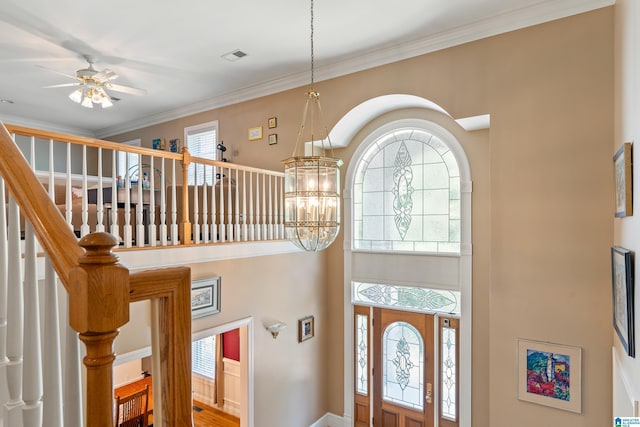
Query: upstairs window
point(406, 195)
point(128, 162)
point(201, 140)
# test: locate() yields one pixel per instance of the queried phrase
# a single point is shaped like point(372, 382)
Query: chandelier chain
point(312, 56)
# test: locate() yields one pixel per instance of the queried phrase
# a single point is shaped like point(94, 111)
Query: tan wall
point(542, 219)
point(288, 374)
point(627, 129)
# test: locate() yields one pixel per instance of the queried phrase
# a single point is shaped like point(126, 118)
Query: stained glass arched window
point(406, 195)
point(403, 365)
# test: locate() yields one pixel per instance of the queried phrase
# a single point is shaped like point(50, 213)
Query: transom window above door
point(406, 195)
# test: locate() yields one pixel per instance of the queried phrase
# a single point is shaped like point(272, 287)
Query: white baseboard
point(328, 420)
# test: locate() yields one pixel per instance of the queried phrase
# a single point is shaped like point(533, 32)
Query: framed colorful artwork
point(174, 145)
point(623, 297)
point(622, 165)
point(550, 374)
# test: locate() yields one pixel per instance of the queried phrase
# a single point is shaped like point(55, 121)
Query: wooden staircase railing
point(100, 291)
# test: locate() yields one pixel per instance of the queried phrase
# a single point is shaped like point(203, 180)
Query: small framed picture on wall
point(305, 328)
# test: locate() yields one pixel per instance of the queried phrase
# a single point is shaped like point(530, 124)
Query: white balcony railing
point(149, 206)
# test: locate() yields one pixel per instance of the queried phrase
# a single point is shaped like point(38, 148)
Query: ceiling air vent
point(234, 55)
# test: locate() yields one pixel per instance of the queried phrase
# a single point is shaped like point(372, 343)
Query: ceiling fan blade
point(63, 85)
point(105, 75)
point(125, 89)
point(57, 72)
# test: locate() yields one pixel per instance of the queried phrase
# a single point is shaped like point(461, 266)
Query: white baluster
point(4, 392)
point(270, 214)
point(15, 320)
point(221, 228)
point(68, 214)
point(215, 218)
point(140, 207)
point(245, 236)
point(32, 359)
point(115, 231)
point(163, 205)
point(84, 228)
point(229, 208)
point(281, 222)
point(127, 229)
point(236, 211)
point(251, 217)
point(195, 226)
point(205, 208)
point(264, 208)
point(276, 200)
point(258, 211)
point(71, 367)
point(174, 208)
point(151, 218)
point(52, 368)
point(99, 198)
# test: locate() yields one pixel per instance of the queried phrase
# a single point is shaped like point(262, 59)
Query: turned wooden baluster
point(98, 306)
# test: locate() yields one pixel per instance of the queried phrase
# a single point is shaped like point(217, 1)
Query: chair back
point(131, 411)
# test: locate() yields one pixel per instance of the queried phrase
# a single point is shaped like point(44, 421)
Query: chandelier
point(87, 95)
point(312, 183)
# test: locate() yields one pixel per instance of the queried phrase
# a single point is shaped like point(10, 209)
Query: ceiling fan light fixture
point(106, 102)
point(76, 95)
point(91, 84)
point(86, 102)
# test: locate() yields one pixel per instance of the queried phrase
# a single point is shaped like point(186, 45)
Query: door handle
point(429, 396)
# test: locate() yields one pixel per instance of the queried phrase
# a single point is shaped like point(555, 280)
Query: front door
point(403, 369)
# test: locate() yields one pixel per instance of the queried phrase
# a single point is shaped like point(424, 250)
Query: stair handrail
point(50, 227)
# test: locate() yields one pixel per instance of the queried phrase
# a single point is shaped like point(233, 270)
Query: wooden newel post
point(98, 306)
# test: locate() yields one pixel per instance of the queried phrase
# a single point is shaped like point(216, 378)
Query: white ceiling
point(173, 49)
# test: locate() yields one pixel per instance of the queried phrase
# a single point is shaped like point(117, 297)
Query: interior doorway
point(132, 363)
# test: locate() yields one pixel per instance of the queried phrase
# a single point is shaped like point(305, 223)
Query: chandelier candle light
point(312, 184)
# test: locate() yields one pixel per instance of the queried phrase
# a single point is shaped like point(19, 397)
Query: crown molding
point(545, 11)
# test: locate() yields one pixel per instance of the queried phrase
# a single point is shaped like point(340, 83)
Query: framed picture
point(272, 122)
point(255, 133)
point(174, 145)
point(273, 139)
point(623, 297)
point(305, 328)
point(550, 374)
point(622, 164)
point(158, 144)
point(205, 297)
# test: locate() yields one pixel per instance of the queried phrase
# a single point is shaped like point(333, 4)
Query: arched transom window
point(406, 195)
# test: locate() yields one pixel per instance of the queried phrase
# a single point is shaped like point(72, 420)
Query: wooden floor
point(209, 417)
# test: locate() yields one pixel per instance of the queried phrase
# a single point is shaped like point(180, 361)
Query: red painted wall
point(231, 344)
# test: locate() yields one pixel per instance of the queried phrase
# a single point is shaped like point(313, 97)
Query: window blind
point(201, 141)
point(203, 355)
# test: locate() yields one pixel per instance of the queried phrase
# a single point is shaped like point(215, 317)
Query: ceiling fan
point(91, 85)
